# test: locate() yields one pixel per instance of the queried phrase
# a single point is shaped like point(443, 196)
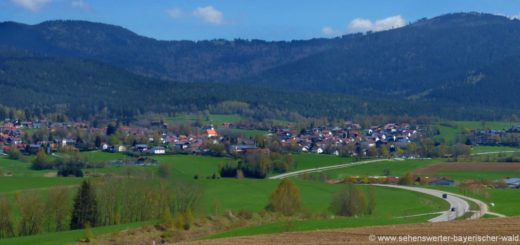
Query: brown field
point(466, 166)
point(483, 227)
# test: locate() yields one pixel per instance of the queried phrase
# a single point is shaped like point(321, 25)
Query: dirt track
point(492, 227)
point(467, 166)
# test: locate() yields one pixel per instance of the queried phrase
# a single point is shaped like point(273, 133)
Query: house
point(211, 132)
point(117, 148)
point(242, 148)
point(141, 147)
point(158, 150)
point(65, 142)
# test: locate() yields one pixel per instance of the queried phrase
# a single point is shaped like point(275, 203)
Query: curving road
point(461, 205)
point(457, 201)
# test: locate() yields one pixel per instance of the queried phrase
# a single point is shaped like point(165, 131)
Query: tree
point(384, 152)
point(14, 153)
point(85, 210)
point(6, 221)
point(32, 211)
point(285, 198)
point(41, 161)
point(58, 208)
point(407, 179)
point(349, 202)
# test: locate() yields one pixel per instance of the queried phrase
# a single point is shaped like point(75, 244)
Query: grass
point(246, 132)
point(396, 168)
point(13, 184)
point(309, 225)
point(390, 203)
point(484, 149)
point(309, 160)
point(483, 124)
point(68, 237)
point(98, 156)
point(221, 195)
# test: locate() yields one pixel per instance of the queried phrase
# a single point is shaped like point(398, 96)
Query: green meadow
point(395, 168)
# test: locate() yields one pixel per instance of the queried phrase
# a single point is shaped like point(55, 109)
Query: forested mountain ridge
point(187, 61)
point(464, 63)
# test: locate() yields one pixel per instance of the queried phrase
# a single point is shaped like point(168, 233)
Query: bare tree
point(6, 222)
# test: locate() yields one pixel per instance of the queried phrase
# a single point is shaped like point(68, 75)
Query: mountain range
point(463, 62)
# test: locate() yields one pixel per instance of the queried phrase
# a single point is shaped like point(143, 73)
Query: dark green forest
point(456, 66)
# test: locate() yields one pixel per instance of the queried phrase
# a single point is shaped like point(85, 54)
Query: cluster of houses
point(509, 137)
point(323, 139)
point(327, 139)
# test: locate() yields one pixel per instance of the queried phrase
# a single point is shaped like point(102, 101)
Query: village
point(158, 138)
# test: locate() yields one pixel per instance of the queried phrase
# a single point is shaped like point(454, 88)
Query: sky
point(247, 19)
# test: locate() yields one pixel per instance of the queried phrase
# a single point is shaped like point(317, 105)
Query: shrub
point(285, 198)
point(349, 202)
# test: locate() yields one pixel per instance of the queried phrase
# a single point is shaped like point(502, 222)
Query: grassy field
point(484, 149)
point(391, 204)
point(98, 156)
point(396, 168)
point(68, 237)
point(483, 125)
point(14, 184)
point(309, 160)
point(310, 225)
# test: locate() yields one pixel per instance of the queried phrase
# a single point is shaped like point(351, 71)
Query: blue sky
point(249, 19)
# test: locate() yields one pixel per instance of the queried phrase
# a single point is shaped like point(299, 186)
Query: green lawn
point(309, 160)
point(68, 237)
point(396, 168)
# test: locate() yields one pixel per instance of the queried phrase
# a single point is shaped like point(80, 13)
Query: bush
point(349, 202)
point(285, 198)
point(245, 214)
point(14, 153)
point(229, 170)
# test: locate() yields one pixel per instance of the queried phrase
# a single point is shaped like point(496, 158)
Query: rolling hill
point(456, 65)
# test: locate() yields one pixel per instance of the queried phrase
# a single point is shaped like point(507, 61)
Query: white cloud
point(31, 5)
point(328, 31)
point(363, 25)
point(175, 12)
point(82, 4)
point(209, 14)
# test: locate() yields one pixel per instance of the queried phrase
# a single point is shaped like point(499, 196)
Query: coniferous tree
point(85, 210)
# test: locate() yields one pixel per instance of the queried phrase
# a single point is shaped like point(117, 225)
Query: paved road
point(313, 170)
point(461, 205)
point(455, 200)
